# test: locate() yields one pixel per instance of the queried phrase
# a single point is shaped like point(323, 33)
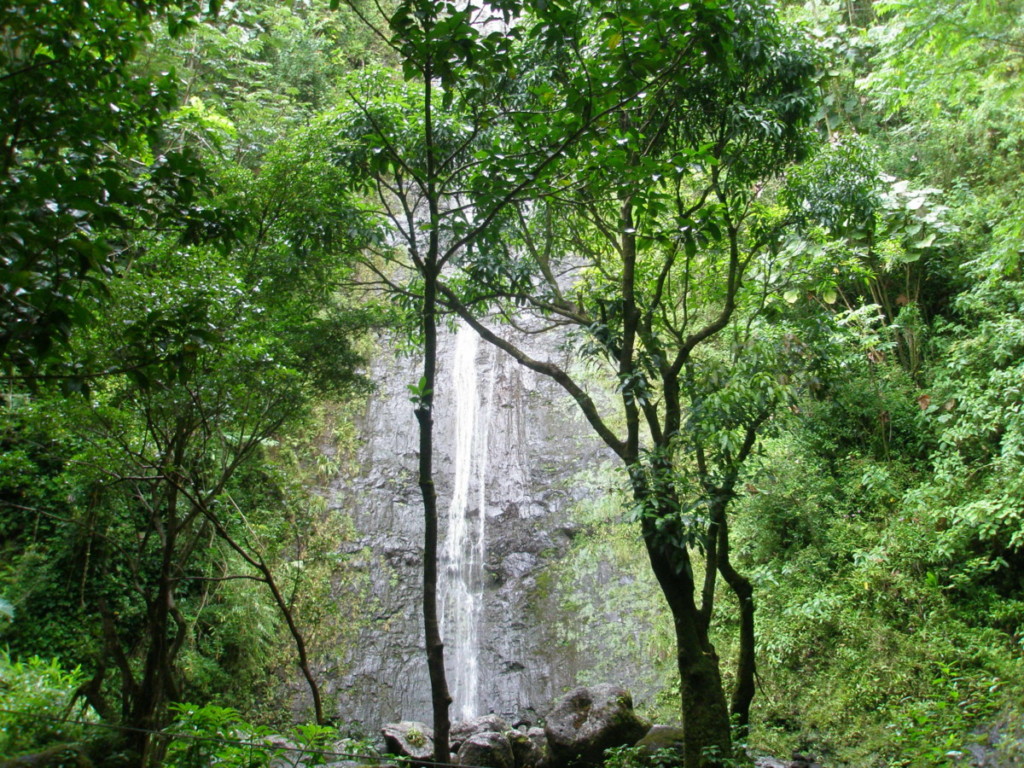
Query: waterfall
point(512, 465)
point(464, 552)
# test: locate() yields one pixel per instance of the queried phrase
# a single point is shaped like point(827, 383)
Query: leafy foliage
point(81, 160)
point(170, 494)
point(201, 736)
point(37, 697)
point(812, 347)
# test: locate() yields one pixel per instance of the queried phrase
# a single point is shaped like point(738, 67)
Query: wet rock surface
point(530, 748)
point(587, 721)
point(803, 761)
point(536, 446)
point(487, 748)
point(998, 745)
point(462, 730)
point(583, 724)
point(409, 738)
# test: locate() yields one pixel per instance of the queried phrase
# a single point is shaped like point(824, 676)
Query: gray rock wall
point(537, 445)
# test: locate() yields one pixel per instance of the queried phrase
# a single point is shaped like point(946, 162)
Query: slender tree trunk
point(746, 669)
point(158, 685)
point(439, 695)
point(430, 268)
point(255, 559)
point(719, 557)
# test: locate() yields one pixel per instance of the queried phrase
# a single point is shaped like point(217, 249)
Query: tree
point(260, 70)
point(414, 158)
point(212, 354)
point(658, 245)
point(450, 155)
point(888, 238)
point(80, 160)
point(166, 444)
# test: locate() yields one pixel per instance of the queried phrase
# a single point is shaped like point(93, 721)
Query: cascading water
point(497, 601)
point(464, 555)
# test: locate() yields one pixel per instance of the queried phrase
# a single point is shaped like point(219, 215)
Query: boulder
point(530, 748)
point(487, 749)
point(587, 721)
point(526, 718)
point(409, 739)
point(661, 738)
point(287, 754)
point(463, 730)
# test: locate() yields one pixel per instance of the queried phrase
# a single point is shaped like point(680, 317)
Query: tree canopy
point(778, 246)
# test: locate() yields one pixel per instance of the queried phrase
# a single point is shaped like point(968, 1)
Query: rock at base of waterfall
point(409, 739)
point(466, 728)
point(487, 749)
point(587, 721)
point(530, 748)
point(661, 738)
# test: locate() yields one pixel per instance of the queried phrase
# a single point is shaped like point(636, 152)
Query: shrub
point(36, 701)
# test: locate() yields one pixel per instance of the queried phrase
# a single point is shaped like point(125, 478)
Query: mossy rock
point(587, 721)
point(489, 749)
point(409, 739)
point(661, 739)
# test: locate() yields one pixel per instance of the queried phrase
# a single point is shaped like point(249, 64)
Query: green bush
point(218, 736)
point(36, 700)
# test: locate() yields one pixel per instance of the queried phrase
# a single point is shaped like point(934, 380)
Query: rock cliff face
point(530, 446)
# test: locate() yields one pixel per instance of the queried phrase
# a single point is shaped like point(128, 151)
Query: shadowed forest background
point(768, 257)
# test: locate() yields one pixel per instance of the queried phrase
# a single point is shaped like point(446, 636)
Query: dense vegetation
point(786, 244)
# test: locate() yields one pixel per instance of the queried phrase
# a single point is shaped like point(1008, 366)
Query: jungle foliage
point(784, 245)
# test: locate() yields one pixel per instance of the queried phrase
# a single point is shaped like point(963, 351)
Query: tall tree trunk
point(430, 269)
point(157, 684)
point(705, 715)
point(440, 697)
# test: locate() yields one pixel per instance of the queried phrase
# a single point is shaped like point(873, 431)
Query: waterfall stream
point(464, 555)
point(507, 467)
